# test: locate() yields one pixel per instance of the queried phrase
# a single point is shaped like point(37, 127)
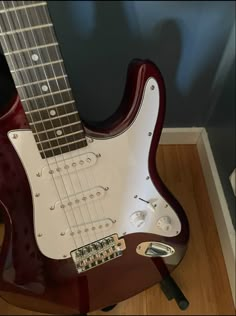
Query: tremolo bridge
point(98, 252)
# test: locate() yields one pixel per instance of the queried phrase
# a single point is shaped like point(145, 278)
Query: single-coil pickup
point(81, 198)
point(66, 166)
point(88, 229)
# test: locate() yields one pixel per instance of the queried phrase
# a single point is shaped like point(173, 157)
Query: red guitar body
point(30, 280)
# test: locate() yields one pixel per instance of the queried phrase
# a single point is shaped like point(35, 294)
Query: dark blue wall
point(221, 133)
point(185, 39)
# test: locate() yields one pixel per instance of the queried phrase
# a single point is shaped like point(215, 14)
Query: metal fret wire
point(69, 177)
point(78, 178)
point(85, 170)
point(36, 130)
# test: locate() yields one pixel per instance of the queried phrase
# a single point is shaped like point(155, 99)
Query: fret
point(53, 144)
point(48, 71)
point(40, 81)
point(27, 18)
point(43, 114)
point(65, 144)
point(56, 123)
point(37, 57)
point(64, 128)
point(18, 5)
point(37, 66)
point(51, 119)
point(27, 39)
point(47, 101)
point(27, 29)
point(31, 48)
point(59, 137)
point(45, 95)
point(48, 108)
point(52, 87)
point(64, 149)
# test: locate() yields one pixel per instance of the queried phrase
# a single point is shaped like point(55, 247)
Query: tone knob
point(138, 218)
point(164, 223)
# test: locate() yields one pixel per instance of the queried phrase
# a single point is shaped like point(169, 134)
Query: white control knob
point(164, 223)
point(138, 218)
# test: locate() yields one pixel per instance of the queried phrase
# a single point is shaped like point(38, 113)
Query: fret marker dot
point(45, 88)
point(35, 57)
point(53, 112)
point(59, 132)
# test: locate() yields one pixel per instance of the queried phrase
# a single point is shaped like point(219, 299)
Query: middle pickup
point(81, 198)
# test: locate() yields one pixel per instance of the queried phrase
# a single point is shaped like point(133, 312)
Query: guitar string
point(61, 177)
point(65, 187)
point(47, 17)
point(25, 95)
point(86, 171)
point(23, 90)
point(77, 172)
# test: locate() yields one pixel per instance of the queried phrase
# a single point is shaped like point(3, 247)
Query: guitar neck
point(33, 55)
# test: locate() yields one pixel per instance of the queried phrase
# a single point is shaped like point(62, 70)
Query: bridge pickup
point(98, 253)
point(81, 198)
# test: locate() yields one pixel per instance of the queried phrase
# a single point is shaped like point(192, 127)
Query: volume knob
point(164, 223)
point(138, 218)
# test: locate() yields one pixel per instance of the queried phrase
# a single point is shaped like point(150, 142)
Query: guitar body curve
point(32, 273)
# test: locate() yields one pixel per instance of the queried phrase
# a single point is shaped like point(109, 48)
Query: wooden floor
point(202, 273)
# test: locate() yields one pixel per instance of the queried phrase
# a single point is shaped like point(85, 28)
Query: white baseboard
point(219, 205)
point(220, 208)
point(180, 135)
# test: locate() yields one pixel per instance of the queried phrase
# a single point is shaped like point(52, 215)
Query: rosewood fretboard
point(33, 55)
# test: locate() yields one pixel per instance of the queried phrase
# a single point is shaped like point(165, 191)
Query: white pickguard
point(94, 196)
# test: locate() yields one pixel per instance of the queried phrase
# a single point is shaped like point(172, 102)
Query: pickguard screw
point(152, 87)
point(64, 256)
point(147, 178)
point(106, 189)
point(124, 233)
point(52, 208)
point(15, 136)
point(62, 233)
point(149, 134)
point(38, 174)
point(135, 196)
point(98, 155)
point(40, 235)
point(90, 140)
point(166, 205)
point(37, 194)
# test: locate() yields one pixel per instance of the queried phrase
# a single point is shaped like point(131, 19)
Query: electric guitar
point(88, 221)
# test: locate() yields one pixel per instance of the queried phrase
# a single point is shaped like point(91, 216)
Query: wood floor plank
point(202, 273)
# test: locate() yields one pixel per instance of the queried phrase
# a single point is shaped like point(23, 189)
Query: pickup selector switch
point(164, 223)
